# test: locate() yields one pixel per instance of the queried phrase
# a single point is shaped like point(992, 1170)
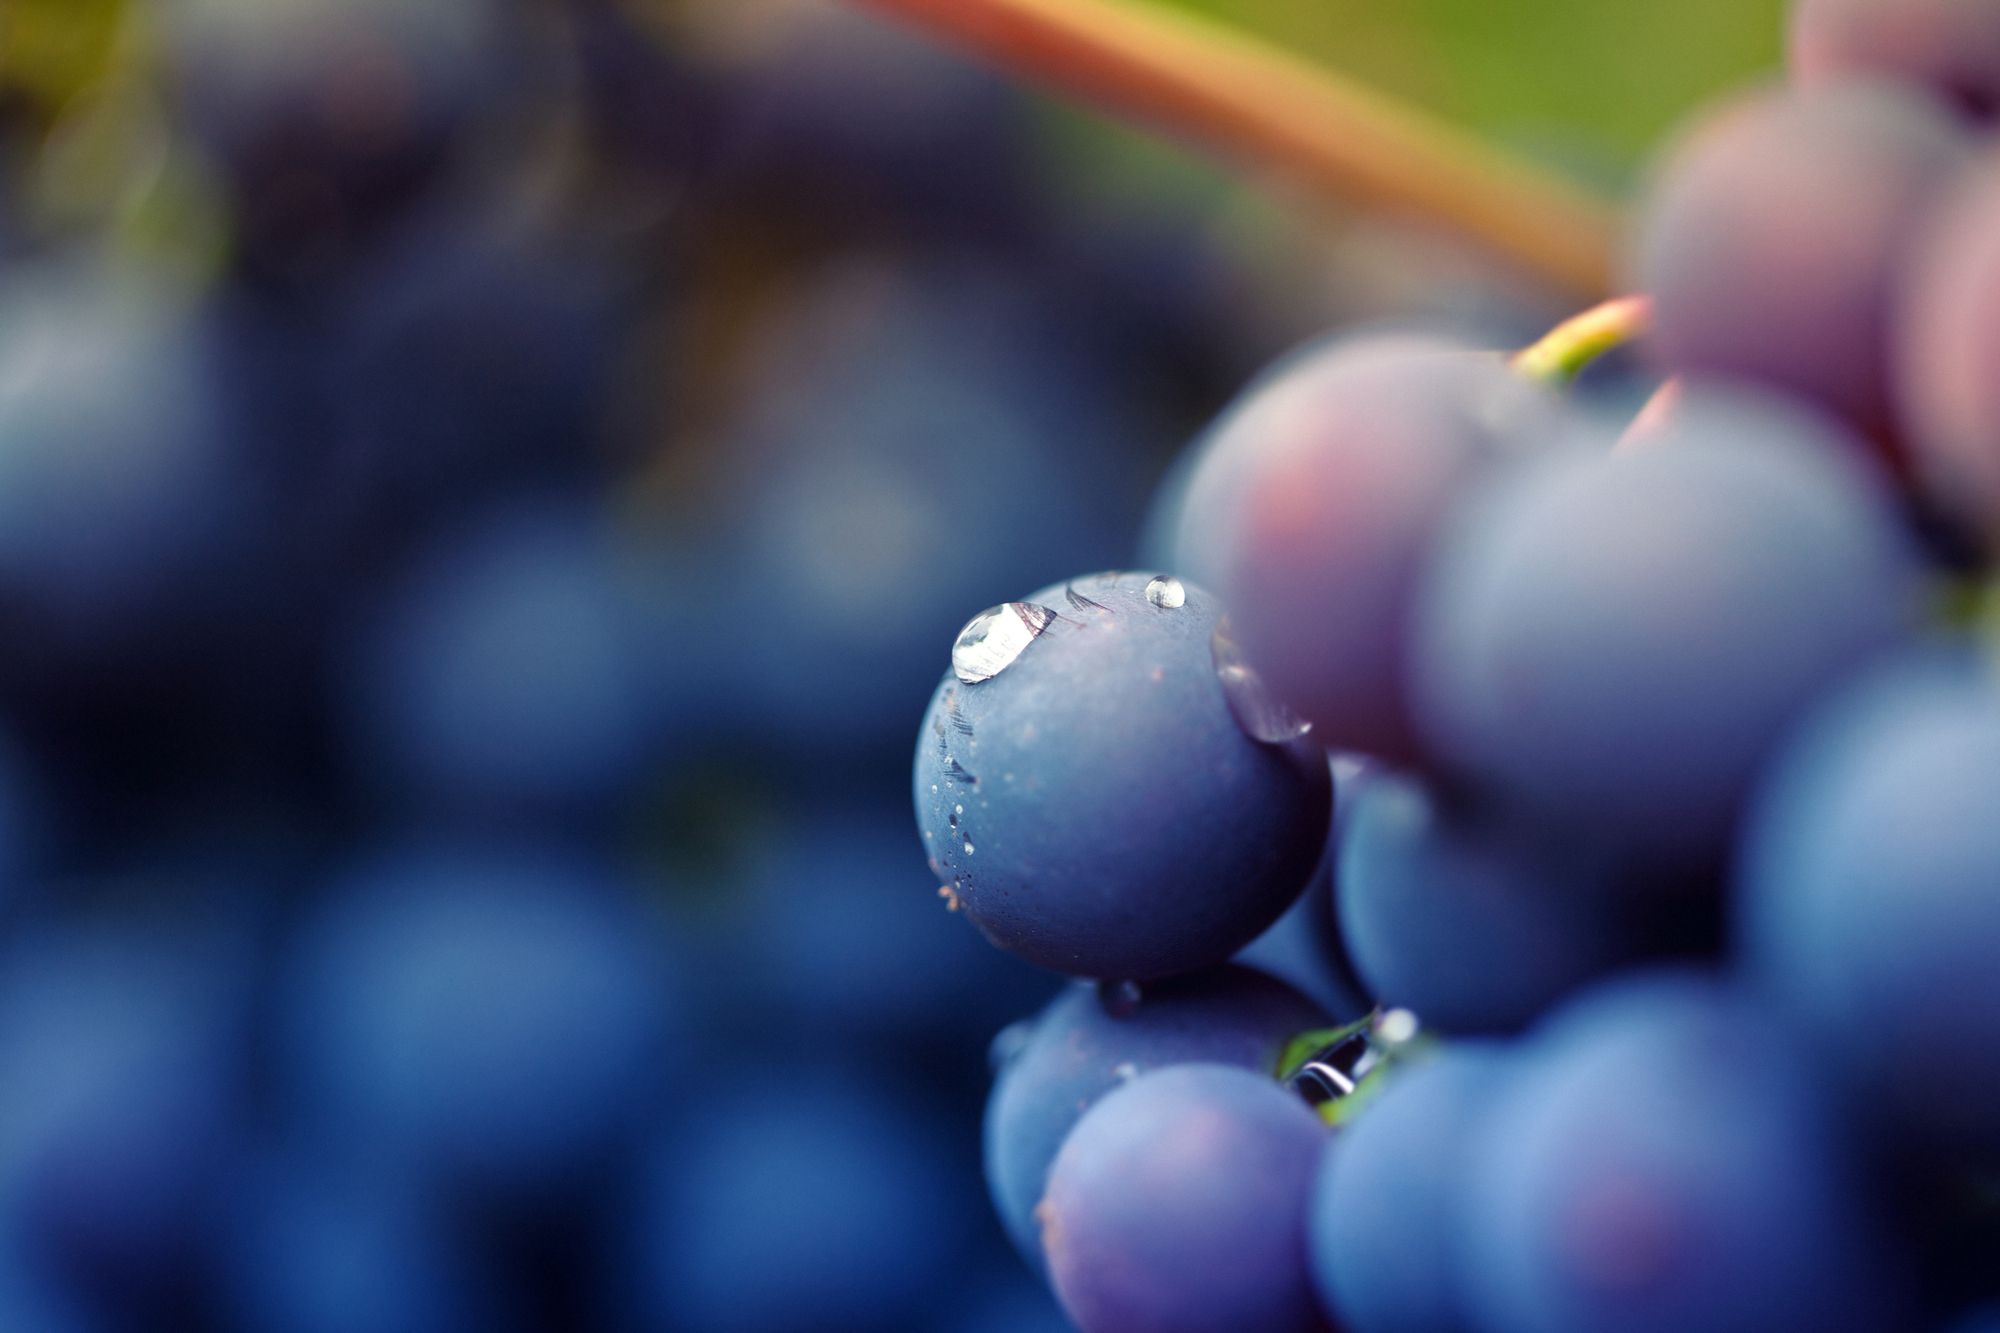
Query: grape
point(330, 117)
point(1317, 500)
point(1092, 1038)
point(1303, 947)
point(509, 676)
point(492, 1018)
point(312, 1248)
point(1660, 1162)
point(1868, 901)
point(1616, 642)
point(466, 364)
point(1950, 47)
point(1472, 922)
point(1385, 1204)
point(123, 515)
point(1950, 327)
point(1091, 800)
point(1179, 1202)
point(1772, 239)
point(793, 1199)
point(120, 1049)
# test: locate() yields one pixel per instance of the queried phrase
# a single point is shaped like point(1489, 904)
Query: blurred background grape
point(486, 488)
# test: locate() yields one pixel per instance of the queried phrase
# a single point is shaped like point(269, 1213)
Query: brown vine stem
point(1258, 105)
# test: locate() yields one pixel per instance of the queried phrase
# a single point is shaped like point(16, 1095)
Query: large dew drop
point(992, 640)
point(1261, 714)
point(1167, 592)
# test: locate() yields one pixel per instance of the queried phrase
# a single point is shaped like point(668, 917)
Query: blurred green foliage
point(1592, 84)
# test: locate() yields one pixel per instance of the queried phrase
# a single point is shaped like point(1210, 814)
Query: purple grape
point(1948, 357)
point(1475, 923)
point(1615, 643)
point(1772, 239)
point(1179, 1203)
point(1093, 1038)
point(1950, 47)
point(1660, 1162)
point(1316, 503)
point(1090, 796)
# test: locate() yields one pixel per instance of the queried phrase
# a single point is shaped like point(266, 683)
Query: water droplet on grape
point(968, 846)
point(1395, 1027)
point(1262, 715)
point(1167, 592)
point(992, 640)
point(1120, 998)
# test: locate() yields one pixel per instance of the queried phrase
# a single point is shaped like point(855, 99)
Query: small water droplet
point(957, 809)
point(1262, 715)
point(1125, 1072)
point(1008, 1043)
point(968, 846)
point(992, 640)
point(1167, 592)
point(1120, 998)
point(1395, 1027)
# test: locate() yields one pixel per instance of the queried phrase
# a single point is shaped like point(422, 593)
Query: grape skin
point(1317, 500)
point(1089, 1041)
point(1179, 1202)
point(1096, 809)
point(1949, 47)
point(1868, 875)
point(1617, 642)
point(1771, 241)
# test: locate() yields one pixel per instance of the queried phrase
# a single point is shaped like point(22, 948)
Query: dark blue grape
point(120, 1047)
point(1475, 923)
point(1772, 242)
point(795, 1197)
point(1385, 1208)
point(1616, 643)
point(1086, 791)
point(1868, 901)
point(510, 674)
point(322, 1247)
point(1948, 47)
point(1304, 946)
point(1316, 503)
point(1094, 1038)
point(494, 1020)
point(1662, 1163)
point(1179, 1203)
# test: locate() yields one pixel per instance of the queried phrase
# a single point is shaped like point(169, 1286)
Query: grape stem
point(1263, 107)
point(1560, 355)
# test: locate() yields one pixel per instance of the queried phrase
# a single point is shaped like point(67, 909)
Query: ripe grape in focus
point(1089, 793)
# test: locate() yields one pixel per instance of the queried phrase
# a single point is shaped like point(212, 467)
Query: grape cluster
point(471, 514)
point(1644, 975)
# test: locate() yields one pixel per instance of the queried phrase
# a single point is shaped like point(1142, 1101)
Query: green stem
point(1561, 355)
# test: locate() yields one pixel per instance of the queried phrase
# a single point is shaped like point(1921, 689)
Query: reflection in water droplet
point(1009, 1042)
point(1120, 998)
point(1167, 592)
point(1125, 1072)
point(1260, 713)
point(991, 640)
point(968, 846)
